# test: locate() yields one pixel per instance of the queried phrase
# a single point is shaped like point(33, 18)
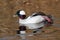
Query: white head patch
point(22, 12)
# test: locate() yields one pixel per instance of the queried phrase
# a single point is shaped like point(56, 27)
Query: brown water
point(8, 24)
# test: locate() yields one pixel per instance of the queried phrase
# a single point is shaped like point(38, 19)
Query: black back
point(39, 13)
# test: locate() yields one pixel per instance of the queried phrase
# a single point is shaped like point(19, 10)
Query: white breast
point(34, 26)
point(29, 20)
point(32, 22)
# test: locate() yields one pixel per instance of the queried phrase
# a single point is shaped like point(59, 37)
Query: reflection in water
point(30, 26)
point(34, 26)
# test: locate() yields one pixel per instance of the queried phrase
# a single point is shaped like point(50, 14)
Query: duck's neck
point(22, 17)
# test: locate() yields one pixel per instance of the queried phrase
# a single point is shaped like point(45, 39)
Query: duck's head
point(21, 14)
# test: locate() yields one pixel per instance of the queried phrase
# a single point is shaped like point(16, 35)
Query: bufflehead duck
point(34, 18)
point(34, 21)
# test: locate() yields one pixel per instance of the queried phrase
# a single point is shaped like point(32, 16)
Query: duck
point(33, 21)
point(34, 18)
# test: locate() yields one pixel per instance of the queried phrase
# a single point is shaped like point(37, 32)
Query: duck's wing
point(38, 13)
point(35, 19)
